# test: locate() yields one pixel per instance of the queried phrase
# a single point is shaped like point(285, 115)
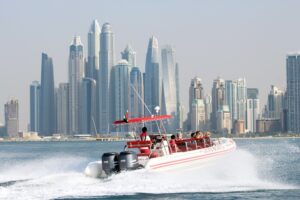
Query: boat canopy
point(141, 119)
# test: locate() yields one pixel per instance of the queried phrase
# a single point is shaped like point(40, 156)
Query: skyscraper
point(218, 101)
point(253, 109)
point(121, 90)
point(293, 92)
point(169, 84)
point(93, 50)
point(152, 86)
point(11, 112)
point(196, 90)
point(130, 55)
point(275, 103)
point(76, 73)
point(88, 99)
point(241, 98)
point(136, 93)
point(231, 98)
point(195, 93)
point(223, 120)
point(106, 64)
point(47, 108)
point(179, 118)
point(63, 109)
point(35, 90)
point(198, 115)
point(208, 110)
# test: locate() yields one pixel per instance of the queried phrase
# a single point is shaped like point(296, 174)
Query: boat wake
point(51, 178)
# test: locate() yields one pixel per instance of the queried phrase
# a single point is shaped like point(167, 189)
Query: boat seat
point(139, 144)
point(143, 154)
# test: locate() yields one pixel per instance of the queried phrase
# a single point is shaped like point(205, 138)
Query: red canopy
point(142, 119)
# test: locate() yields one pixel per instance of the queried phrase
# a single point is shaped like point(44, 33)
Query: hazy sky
point(230, 39)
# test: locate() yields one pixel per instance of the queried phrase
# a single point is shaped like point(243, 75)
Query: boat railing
point(192, 144)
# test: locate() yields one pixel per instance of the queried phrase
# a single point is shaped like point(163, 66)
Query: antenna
point(94, 126)
point(140, 98)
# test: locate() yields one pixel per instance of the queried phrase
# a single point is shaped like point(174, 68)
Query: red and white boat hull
point(194, 158)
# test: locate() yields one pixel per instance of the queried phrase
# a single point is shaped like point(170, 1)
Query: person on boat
point(207, 139)
point(144, 137)
point(173, 144)
point(179, 136)
point(193, 135)
point(199, 135)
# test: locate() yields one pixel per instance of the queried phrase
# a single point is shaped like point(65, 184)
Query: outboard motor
point(128, 160)
point(110, 162)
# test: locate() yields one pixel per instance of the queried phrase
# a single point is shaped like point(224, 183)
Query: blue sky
point(230, 39)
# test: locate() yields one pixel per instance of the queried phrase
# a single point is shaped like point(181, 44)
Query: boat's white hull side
point(191, 159)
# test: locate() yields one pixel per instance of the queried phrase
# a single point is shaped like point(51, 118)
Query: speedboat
point(157, 154)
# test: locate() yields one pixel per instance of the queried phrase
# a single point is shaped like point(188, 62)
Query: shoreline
point(5, 140)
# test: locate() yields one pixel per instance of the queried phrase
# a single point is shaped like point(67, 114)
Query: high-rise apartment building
point(11, 114)
point(253, 109)
point(198, 115)
point(76, 73)
point(105, 83)
point(218, 101)
point(195, 93)
point(223, 120)
point(241, 99)
point(231, 98)
point(35, 92)
point(275, 103)
point(62, 106)
point(293, 92)
point(47, 97)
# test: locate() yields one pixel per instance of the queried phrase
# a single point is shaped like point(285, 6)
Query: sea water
point(259, 168)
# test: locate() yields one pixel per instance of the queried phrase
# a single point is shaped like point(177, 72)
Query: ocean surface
point(258, 169)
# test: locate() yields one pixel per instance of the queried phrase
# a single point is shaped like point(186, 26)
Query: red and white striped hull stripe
point(190, 159)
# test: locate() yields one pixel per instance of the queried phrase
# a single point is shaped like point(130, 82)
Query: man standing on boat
point(144, 136)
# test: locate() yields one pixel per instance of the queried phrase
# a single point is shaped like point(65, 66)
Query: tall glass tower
point(88, 99)
point(136, 93)
point(106, 64)
point(169, 84)
point(293, 92)
point(63, 108)
point(152, 89)
point(120, 90)
point(35, 90)
point(76, 73)
point(47, 108)
point(93, 50)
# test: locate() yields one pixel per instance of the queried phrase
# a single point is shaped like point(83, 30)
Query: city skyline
point(237, 65)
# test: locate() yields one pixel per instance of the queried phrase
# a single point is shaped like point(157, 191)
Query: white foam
point(56, 178)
